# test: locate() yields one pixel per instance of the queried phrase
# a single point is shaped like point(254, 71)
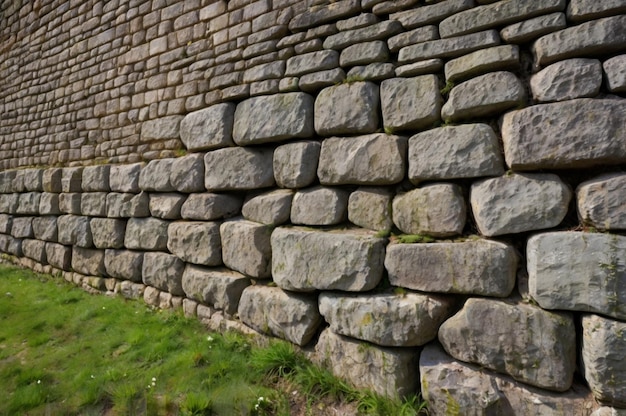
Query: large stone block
point(581, 10)
point(480, 267)
point(273, 118)
point(376, 31)
point(386, 319)
point(390, 372)
point(195, 242)
point(531, 29)
point(209, 206)
point(374, 159)
point(71, 179)
point(69, 203)
point(49, 204)
point(88, 261)
point(485, 95)
point(5, 224)
point(370, 207)
point(319, 206)
point(108, 232)
point(295, 164)
point(166, 205)
point(347, 109)
point(164, 272)
point(432, 13)
point(238, 168)
point(503, 337)
point(51, 180)
point(603, 349)
point(410, 103)
point(246, 247)
point(316, 16)
point(96, 178)
point(615, 73)
point(35, 250)
point(516, 203)
point(600, 202)
point(364, 53)
point(437, 210)
point(124, 264)
point(269, 208)
point(128, 205)
point(209, 128)
point(74, 230)
point(22, 227)
point(565, 80)
point(315, 61)
point(448, 48)
point(59, 256)
point(125, 178)
point(583, 272)
point(453, 387)
point(498, 58)
point(450, 152)
point(602, 36)
point(155, 176)
point(93, 204)
point(187, 173)
point(11, 245)
point(28, 203)
point(306, 260)
point(8, 202)
point(272, 311)
point(219, 288)
point(45, 228)
point(146, 234)
point(571, 134)
point(161, 128)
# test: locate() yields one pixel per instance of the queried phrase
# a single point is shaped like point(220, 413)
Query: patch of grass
point(415, 238)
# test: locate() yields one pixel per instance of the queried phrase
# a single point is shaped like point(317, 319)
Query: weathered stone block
point(319, 206)
point(273, 118)
point(11, 245)
point(93, 204)
point(124, 264)
point(108, 232)
point(412, 37)
point(33, 179)
point(209, 206)
point(364, 53)
point(615, 73)
point(347, 109)
point(600, 202)
point(581, 10)
point(71, 179)
point(87, 261)
point(131, 290)
point(316, 81)
point(128, 205)
point(8, 202)
point(480, 267)
point(531, 29)
point(272, 311)
point(49, 204)
point(410, 103)
point(448, 48)
point(45, 228)
point(155, 176)
point(295, 164)
point(584, 272)
point(209, 128)
point(502, 337)
point(5, 224)
point(434, 13)
point(246, 247)
point(498, 58)
point(28, 203)
point(166, 205)
point(125, 178)
point(96, 178)
point(450, 152)
point(219, 288)
point(161, 128)
point(376, 71)
point(437, 210)
point(238, 168)
point(485, 95)
point(187, 173)
point(269, 208)
point(164, 272)
point(327, 13)
point(381, 30)
point(517, 203)
point(565, 80)
point(74, 230)
point(34, 249)
point(374, 159)
point(312, 62)
point(370, 207)
point(59, 256)
point(571, 134)
point(195, 242)
point(146, 234)
point(70, 203)
point(51, 180)
point(305, 260)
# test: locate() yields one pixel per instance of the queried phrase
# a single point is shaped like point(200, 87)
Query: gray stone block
point(59, 256)
point(51, 180)
point(128, 205)
point(124, 264)
point(87, 261)
point(33, 179)
point(312, 62)
point(327, 13)
point(498, 58)
point(295, 164)
point(35, 250)
point(49, 204)
point(196, 242)
point(615, 73)
point(364, 53)
point(131, 290)
point(565, 80)
point(218, 288)
point(161, 128)
point(108, 232)
point(581, 10)
point(8, 202)
point(269, 208)
point(270, 310)
point(74, 230)
point(410, 103)
point(5, 223)
point(246, 247)
point(71, 180)
point(125, 178)
point(370, 208)
point(28, 203)
point(377, 71)
point(209, 128)
point(45, 228)
point(377, 31)
point(155, 176)
point(531, 29)
point(69, 203)
point(448, 48)
point(412, 37)
point(347, 109)
point(319, 206)
point(316, 81)
point(146, 234)
point(93, 204)
point(210, 206)
point(164, 272)
point(96, 178)
point(167, 205)
point(238, 169)
point(600, 202)
point(429, 14)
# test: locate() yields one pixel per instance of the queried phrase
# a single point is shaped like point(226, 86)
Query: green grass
point(63, 351)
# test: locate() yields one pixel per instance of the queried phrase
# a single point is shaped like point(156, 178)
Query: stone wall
point(428, 194)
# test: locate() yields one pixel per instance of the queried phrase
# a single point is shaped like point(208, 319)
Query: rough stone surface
point(600, 202)
point(376, 71)
point(603, 348)
point(155, 176)
point(498, 58)
point(28, 203)
point(93, 204)
point(49, 204)
point(370, 207)
point(131, 290)
point(428, 66)
point(166, 205)
point(286, 315)
point(87, 261)
point(218, 288)
point(386, 319)
point(125, 178)
point(295, 164)
point(381, 30)
point(364, 53)
point(534, 28)
point(187, 173)
point(516, 203)
point(51, 180)
point(615, 72)
point(375, 159)
point(128, 205)
point(410, 103)
point(195, 242)
point(146, 234)
point(164, 272)
point(305, 260)
point(71, 179)
point(238, 168)
point(347, 109)
point(421, 34)
point(502, 337)
point(601, 36)
point(434, 13)
point(108, 232)
point(581, 10)
point(5, 224)
point(565, 80)
point(584, 272)
point(571, 134)
point(59, 256)
point(485, 95)
point(330, 12)
point(480, 267)
point(124, 264)
point(319, 205)
point(209, 128)
point(437, 210)
point(273, 118)
point(35, 250)
point(318, 80)
point(210, 206)
point(74, 230)
point(269, 208)
point(387, 371)
point(312, 62)
point(161, 128)
point(246, 247)
point(453, 387)
point(450, 152)
point(96, 178)
point(448, 48)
